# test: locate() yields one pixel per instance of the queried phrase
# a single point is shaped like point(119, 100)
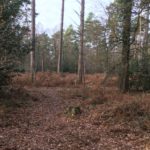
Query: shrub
point(5, 72)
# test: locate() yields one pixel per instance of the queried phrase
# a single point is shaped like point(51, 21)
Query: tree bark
point(32, 53)
point(124, 78)
point(145, 43)
point(59, 65)
point(81, 48)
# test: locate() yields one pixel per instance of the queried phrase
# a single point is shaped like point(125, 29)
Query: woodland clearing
point(43, 116)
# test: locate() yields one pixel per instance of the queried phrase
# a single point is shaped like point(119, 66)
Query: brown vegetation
point(47, 79)
point(131, 108)
point(82, 116)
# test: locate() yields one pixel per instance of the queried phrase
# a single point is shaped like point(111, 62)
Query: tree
point(137, 58)
point(32, 53)
point(70, 54)
point(146, 41)
point(126, 12)
point(81, 49)
point(55, 40)
point(44, 52)
point(113, 39)
point(95, 45)
point(59, 65)
point(12, 33)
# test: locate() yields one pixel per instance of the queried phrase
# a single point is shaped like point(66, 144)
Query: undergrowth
point(135, 113)
point(12, 98)
point(115, 107)
point(46, 79)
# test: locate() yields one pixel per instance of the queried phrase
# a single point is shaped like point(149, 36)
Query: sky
point(49, 11)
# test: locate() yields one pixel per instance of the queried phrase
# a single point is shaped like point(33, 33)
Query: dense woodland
point(117, 45)
point(105, 61)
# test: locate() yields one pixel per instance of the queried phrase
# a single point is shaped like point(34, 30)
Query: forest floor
point(72, 117)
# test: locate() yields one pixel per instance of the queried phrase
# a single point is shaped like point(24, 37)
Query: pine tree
point(81, 49)
point(59, 65)
point(32, 53)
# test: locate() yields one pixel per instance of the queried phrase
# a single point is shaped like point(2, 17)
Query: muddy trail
point(43, 125)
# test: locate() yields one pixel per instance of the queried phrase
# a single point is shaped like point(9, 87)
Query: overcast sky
point(49, 12)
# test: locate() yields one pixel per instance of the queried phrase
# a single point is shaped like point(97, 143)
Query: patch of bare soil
point(44, 125)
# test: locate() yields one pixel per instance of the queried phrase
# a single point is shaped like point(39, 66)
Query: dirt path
point(44, 126)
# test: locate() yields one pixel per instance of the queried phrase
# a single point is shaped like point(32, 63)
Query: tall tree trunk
point(147, 28)
point(124, 78)
point(81, 48)
point(32, 53)
point(145, 43)
point(59, 65)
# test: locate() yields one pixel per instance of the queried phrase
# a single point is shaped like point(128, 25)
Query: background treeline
point(104, 40)
point(95, 45)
